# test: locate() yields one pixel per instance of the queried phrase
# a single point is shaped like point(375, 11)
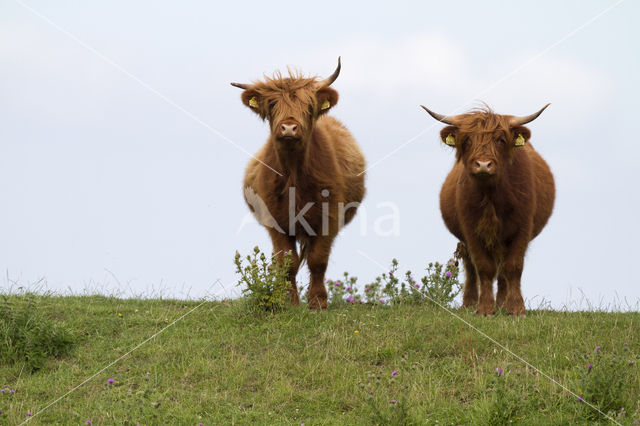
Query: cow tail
point(304, 251)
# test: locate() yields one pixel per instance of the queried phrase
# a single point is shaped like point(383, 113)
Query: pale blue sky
point(102, 177)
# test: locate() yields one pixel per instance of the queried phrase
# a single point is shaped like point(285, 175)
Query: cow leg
point(502, 291)
point(470, 295)
point(513, 273)
point(281, 244)
point(317, 259)
point(486, 269)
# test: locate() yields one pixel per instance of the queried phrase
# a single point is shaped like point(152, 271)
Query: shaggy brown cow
point(306, 182)
point(497, 198)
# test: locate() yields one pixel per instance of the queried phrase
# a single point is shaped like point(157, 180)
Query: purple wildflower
point(381, 300)
point(597, 349)
point(200, 424)
point(110, 380)
point(89, 422)
point(0, 411)
point(394, 373)
point(29, 414)
point(371, 392)
point(348, 289)
point(448, 274)
point(579, 399)
point(416, 285)
point(351, 299)
point(590, 366)
point(12, 391)
point(499, 371)
point(451, 263)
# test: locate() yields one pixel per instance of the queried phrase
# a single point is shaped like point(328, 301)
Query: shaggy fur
point(494, 217)
point(325, 157)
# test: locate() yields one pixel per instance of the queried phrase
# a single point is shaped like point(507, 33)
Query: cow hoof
point(318, 305)
point(486, 311)
point(516, 310)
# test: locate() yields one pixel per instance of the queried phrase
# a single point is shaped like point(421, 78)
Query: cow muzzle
point(483, 168)
point(289, 130)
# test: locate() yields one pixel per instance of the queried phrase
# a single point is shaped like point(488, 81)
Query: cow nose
point(484, 167)
point(288, 129)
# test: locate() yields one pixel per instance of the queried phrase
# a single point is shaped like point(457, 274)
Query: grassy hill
point(221, 363)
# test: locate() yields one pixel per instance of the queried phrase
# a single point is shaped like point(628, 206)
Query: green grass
point(223, 364)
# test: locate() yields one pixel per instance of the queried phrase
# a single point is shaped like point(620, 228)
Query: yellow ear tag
point(253, 103)
point(520, 140)
point(450, 140)
point(326, 104)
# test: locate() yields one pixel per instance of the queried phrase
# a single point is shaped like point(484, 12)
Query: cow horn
point(327, 81)
point(519, 121)
point(452, 120)
point(241, 85)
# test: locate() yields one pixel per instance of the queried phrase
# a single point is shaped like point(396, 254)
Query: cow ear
point(448, 135)
point(521, 136)
point(251, 99)
point(327, 98)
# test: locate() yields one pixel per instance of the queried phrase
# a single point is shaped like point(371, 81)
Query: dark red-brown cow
point(307, 181)
point(497, 198)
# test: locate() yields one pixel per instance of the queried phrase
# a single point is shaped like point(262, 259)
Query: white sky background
point(105, 187)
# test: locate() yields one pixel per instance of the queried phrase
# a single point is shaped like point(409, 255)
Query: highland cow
point(496, 199)
point(307, 181)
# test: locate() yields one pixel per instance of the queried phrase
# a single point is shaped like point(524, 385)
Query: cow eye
point(311, 110)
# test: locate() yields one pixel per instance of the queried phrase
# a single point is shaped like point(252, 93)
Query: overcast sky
point(123, 146)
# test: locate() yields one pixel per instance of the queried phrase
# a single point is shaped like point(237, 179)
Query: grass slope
point(222, 364)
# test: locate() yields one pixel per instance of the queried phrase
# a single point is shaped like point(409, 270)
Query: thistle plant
point(343, 291)
point(439, 286)
point(266, 281)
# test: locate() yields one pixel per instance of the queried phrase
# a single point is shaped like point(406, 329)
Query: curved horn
point(241, 85)
point(327, 81)
point(519, 121)
point(452, 120)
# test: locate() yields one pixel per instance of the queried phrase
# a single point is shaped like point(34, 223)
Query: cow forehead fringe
point(484, 120)
point(293, 82)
